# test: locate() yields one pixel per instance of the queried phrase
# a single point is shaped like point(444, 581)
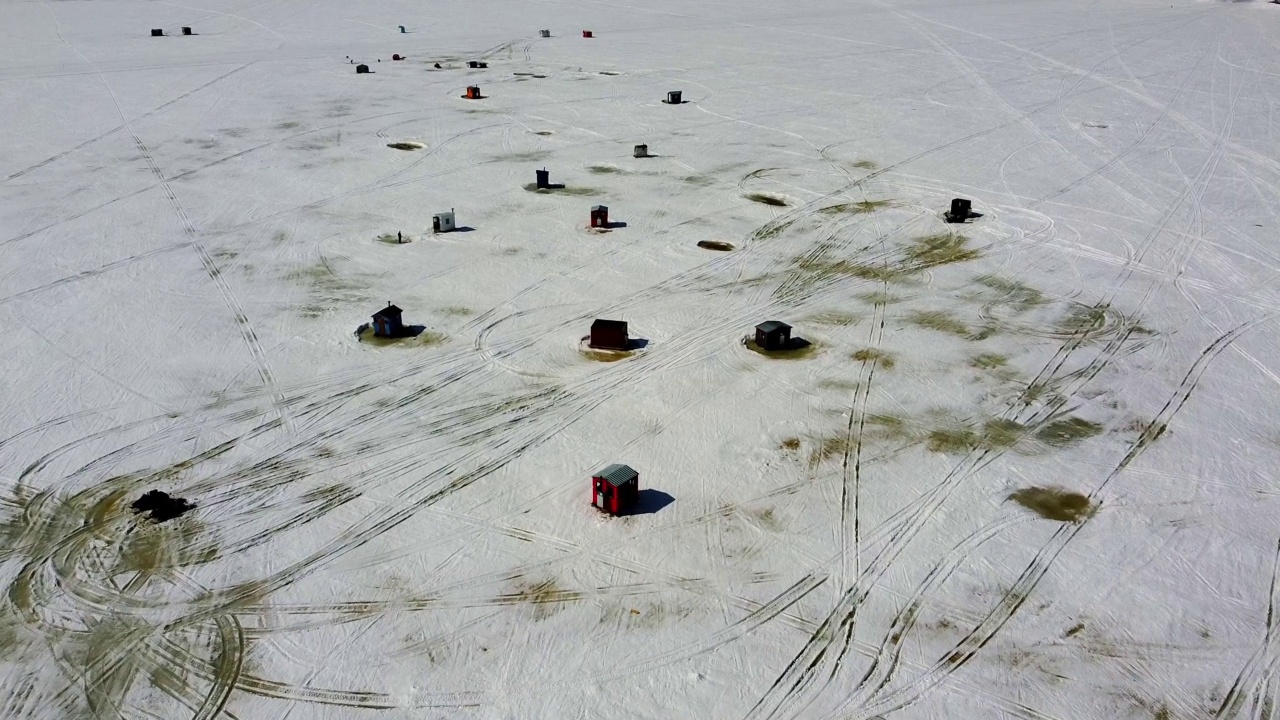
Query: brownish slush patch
point(1055, 503)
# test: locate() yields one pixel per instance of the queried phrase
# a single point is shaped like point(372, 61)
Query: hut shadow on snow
point(365, 333)
point(791, 344)
point(795, 348)
point(611, 354)
point(795, 343)
point(411, 331)
point(650, 501)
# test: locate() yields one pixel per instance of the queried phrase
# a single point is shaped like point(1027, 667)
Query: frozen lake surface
point(1027, 467)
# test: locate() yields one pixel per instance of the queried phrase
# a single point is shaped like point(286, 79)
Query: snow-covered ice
point(1027, 469)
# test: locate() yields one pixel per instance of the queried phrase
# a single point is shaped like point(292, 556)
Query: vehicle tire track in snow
point(530, 432)
point(851, 463)
point(744, 626)
point(889, 655)
point(1082, 377)
point(226, 671)
point(100, 599)
point(283, 40)
point(1020, 592)
point(910, 524)
point(839, 624)
point(1119, 157)
point(113, 265)
point(1260, 669)
point(174, 655)
point(247, 333)
point(624, 568)
point(54, 158)
point(797, 677)
point(854, 446)
point(214, 163)
point(968, 69)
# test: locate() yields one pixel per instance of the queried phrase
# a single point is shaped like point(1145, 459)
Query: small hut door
point(600, 494)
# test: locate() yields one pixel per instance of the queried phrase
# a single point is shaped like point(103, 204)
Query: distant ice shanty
point(961, 210)
point(615, 489)
point(544, 33)
point(443, 222)
point(599, 216)
point(773, 335)
point(186, 31)
point(157, 32)
point(473, 92)
point(402, 29)
point(542, 178)
point(608, 335)
point(673, 97)
point(586, 33)
point(641, 151)
point(362, 69)
point(387, 322)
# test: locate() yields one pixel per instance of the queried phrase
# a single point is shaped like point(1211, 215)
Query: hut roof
point(595, 208)
point(388, 311)
point(772, 326)
point(617, 475)
point(609, 325)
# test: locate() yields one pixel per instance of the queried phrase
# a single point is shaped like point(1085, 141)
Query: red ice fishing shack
point(615, 489)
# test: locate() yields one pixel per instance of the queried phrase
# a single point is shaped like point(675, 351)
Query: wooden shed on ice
point(961, 210)
point(609, 335)
point(773, 335)
point(387, 322)
point(615, 489)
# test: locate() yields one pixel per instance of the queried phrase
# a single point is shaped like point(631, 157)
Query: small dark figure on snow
point(437, 66)
point(399, 237)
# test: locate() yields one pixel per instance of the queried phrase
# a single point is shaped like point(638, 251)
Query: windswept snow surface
point(192, 228)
